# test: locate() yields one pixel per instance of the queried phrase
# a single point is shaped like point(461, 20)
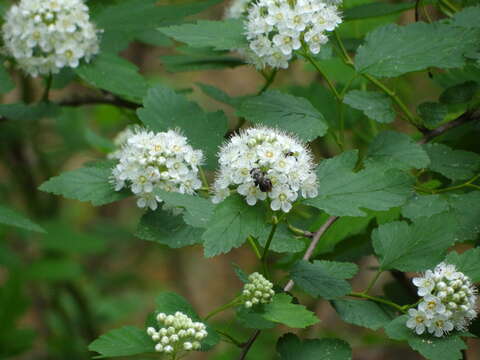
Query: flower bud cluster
point(262, 162)
point(257, 291)
point(449, 301)
point(149, 160)
point(276, 28)
point(46, 35)
point(177, 334)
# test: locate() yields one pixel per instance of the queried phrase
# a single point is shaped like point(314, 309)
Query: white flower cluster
point(151, 160)
point(121, 139)
point(177, 333)
point(47, 35)
point(276, 28)
point(237, 8)
point(262, 162)
point(449, 301)
point(257, 291)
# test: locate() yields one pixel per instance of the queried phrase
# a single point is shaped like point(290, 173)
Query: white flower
point(276, 29)
point(258, 290)
point(418, 321)
point(449, 299)
point(261, 162)
point(236, 9)
point(45, 36)
point(148, 160)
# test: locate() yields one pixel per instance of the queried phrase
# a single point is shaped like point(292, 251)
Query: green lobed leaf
point(420, 206)
point(394, 50)
point(220, 96)
point(125, 341)
point(415, 247)
point(252, 318)
point(163, 109)
point(12, 218)
point(344, 192)
point(467, 262)
point(465, 211)
point(90, 183)
point(375, 105)
point(453, 164)
point(169, 303)
point(432, 113)
point(165, 228)
point(282, 310)
point(205, 33)
point(468, 17)
point(287, 112)
point(197, 210)
point(284, 241)
point(232, 222)
point(396, 150)
point(290, 347)
point(363, 313)
point(112, 73)
point(323, 278)
point(444, 348)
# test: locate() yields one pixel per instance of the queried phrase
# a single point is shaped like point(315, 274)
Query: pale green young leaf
point(163, 109)
point(205, 33)
point(415, 247)
point(90, 183)
point(282, 310)
point(112, 73)
point(125, 341)
point(467, 262)
point(12, 218)
point(198, 211)
point(375, 105)
point(432, 348)
point(169, 303)
point(344, 192)
point(323, 278)
point(287, 112)
point(167, 229)
point(363, 313)
point(290, 347)
point(394, 50)
point(453, 164)
point(233, 220)
point(396, 150)
point(428, 205)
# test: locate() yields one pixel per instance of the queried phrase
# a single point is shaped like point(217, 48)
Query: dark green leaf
point(281, 310)
point(467, 262)
point(376, 106)
point(205, 33)
point(453, 164)
point(290, 347)
point(189, 62)
point(433, 348)
point(165, 228)
point(343, 192)
point(115, 74)
point(419, 206)
point(393, 50)
point(163, 109)
point(432, 113)
point(125, 341)
point(90, 183)
point(252, 319)
point(220, 96)
point(459, 94)
point(414, 247)
point(468, 17)
point(278, 110)
point(12, 218)
point(465, 210)
point(232, 222)
point(323, 278)
point(396, 150)
point(363, 313)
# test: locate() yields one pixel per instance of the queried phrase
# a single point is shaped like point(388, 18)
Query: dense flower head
point(448, 301)
point(46, 35)
point(177, 334)
point(258, 290)
point(277, 28)
point(149, 160)
point(261, 163)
